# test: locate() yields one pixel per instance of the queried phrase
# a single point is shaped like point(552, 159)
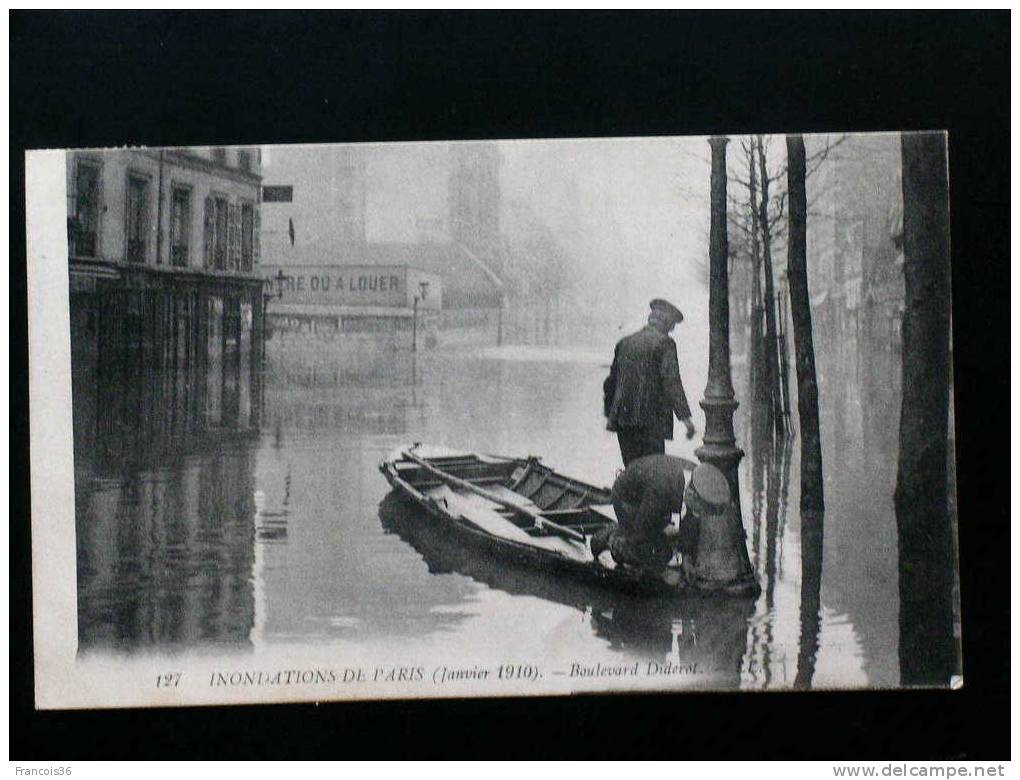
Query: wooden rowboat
point(521, 511)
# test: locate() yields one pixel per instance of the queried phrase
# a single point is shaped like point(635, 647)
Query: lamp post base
point(742, 586)
point(723, 564)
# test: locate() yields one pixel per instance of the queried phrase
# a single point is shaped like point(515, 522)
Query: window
point(244, 160)
point(214, 232)
point(220, 239)
point(219, 155)
point(247, 235)
point(180, 226)
point(137, 218)
point(85, 224)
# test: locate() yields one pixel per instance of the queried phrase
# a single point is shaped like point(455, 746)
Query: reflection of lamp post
point(424, 287)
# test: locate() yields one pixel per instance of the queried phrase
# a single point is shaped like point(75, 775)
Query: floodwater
point(286, 534)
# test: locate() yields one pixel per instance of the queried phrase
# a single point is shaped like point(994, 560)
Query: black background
point(104, 79)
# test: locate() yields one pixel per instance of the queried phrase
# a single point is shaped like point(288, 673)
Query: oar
point(538, 519)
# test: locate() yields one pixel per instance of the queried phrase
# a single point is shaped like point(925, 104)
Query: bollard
point(720, 564)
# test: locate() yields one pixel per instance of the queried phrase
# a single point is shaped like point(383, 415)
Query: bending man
point(645, 496)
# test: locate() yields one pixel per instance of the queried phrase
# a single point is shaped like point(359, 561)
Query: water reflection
point(166, 388)
point(770, 467)
point(164, 452)
point(812, 533)
point(708, 633)
point(165, 556)
point(832, 624)
point(248, 539)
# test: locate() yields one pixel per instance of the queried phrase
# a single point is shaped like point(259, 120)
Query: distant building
point(855, 269)
point(333, 300)
point(474, 195)
point(432, 206)
point(166, 292)
point(855, 280)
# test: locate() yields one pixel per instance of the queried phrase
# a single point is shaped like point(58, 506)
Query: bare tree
point(811, 488)
point(771, 353)
point(927, 646)
point(761, 409)
point(811, 545)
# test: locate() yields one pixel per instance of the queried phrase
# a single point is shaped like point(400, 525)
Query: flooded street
point(286, 534)
point(483, 377)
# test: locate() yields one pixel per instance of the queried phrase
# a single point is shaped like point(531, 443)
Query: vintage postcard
point(501, 418)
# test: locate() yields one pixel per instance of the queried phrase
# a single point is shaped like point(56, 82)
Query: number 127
point(169, 680)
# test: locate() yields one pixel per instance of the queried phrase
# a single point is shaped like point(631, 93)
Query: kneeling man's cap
point(667, 308)
point(711, 487)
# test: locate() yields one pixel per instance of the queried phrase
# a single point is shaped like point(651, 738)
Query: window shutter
point(148, 227)
point(209, 231)
point(234, 233)
point(256, 243)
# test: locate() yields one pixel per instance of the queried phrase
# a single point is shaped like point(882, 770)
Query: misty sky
point(623, 209)
point(634, 216)
point(630, 214)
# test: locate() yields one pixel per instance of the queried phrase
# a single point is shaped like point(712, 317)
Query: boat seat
point(480, 512)
point(506, 494)
point(607, 511)
point(488, 516)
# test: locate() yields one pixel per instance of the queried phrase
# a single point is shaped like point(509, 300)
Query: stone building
point(166, 295)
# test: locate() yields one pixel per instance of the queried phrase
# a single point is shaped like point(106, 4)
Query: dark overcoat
point(643, 389)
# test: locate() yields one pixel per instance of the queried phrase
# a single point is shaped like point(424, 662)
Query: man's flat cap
point(711, 486)
point(668, 309)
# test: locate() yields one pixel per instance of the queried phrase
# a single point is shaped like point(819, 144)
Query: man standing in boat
point(643, 390)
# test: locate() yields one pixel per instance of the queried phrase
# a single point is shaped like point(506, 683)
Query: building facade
point(855, 279)
point(856, 282)
point(434, 206)
point(397, 305)
point(166, 295)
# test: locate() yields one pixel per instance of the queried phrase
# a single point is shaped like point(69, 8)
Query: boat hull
point(491, 507)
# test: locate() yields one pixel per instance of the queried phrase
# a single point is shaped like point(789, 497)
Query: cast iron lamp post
point(719, 447)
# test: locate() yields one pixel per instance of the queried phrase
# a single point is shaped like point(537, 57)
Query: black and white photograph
point(493, 418)
point(510, 384)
